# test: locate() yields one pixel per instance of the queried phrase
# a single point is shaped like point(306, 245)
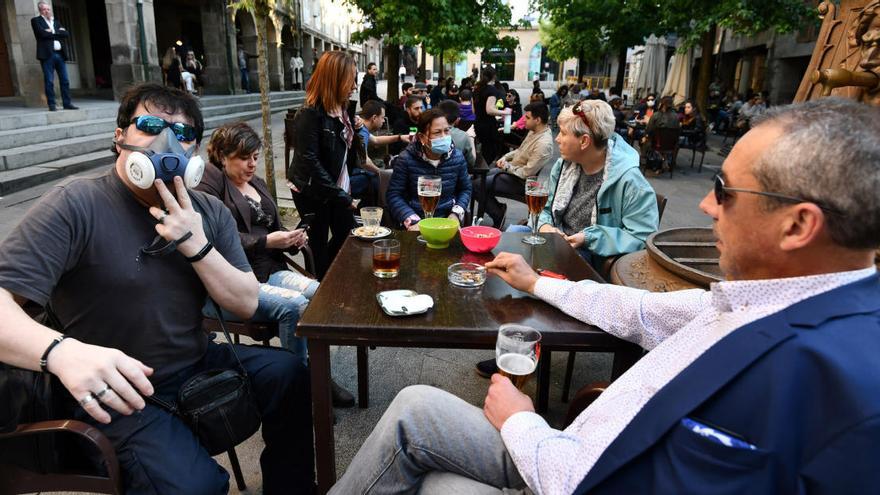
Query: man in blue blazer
point(767, 383)
point(52, 54)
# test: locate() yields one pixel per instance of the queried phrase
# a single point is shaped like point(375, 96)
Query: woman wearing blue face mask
point(432, 154)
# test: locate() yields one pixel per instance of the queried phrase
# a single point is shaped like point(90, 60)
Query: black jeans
point(504, 185)
point(159, 454)
point(330, 219)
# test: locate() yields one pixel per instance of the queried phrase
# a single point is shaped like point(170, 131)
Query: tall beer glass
point(536, 198)
point(517, 351)
point(429, 187)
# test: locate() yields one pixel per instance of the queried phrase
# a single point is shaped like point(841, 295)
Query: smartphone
point(305, 221)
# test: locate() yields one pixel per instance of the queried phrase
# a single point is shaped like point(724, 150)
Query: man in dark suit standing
point(368, 86)
point(52, 54)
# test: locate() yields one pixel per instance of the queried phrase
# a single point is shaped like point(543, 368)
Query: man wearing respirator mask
point(130, 303)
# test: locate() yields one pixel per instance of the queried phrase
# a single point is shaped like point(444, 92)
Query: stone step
point(32, 154)
point(106, 110)
point(53, 133)
point(39, 173)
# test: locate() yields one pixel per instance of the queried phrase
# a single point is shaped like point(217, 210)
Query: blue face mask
point(441, 145)
point(164, 159)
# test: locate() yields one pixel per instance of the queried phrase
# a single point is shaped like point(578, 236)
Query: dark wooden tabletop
point(345, 309)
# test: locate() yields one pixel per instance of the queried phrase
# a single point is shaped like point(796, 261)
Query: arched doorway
point(502, 59)
point(246, 38)
point(535, 62)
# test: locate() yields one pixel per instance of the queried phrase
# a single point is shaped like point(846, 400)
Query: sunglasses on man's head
point(722, 192)
point(154, 126)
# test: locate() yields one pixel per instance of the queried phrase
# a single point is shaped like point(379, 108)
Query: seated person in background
point(406, 91)
point(619, 117)
point(466, 110)
point(452, 93)
point(768, 383)
point(431, 153)
point(692, 128)
point(556, 101)
point(365, 179)
point(406, 124)
point(664, 118)
point(234, 151)
point(641, 116)
point(751, 109)
point(513, 102)
point(132, 312)
point(460, 139)
point(507, 179)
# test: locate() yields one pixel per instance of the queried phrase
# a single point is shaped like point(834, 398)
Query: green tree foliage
point(437, 25)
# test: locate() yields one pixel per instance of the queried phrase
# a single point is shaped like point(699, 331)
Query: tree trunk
point(582, 66)
point(706, 65)
point(621, 69)
point(392, 65)
point(421, 76)
point(260, 18)
point(441, 77)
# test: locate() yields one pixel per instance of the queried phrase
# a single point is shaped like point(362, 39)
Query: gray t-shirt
point(579, 212)
point(80, 248)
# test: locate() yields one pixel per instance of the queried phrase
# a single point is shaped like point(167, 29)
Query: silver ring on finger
point(85, 400)
point(162, 218)
point(103, 392)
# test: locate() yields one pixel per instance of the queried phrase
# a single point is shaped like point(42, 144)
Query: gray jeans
point(432, 442)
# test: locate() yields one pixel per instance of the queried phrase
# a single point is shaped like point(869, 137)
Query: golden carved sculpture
point(846, 60)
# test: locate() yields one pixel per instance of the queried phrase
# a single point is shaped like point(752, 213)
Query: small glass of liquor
point(386, 258)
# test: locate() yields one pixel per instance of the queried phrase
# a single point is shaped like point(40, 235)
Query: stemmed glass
point(536, 198)
point(429, 187)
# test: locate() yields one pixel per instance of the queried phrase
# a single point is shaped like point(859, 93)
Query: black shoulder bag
point(216, 404)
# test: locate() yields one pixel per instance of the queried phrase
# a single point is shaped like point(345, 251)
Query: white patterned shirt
point(677, 327)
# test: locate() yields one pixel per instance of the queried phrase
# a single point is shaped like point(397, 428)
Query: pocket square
point(715, 435)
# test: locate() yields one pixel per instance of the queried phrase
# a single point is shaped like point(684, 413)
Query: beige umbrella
point(652, 73)
point(678, 83)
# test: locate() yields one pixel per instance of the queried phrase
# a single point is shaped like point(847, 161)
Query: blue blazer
point(802, 385)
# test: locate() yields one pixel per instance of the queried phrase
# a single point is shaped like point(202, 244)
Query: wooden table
point(344, 311)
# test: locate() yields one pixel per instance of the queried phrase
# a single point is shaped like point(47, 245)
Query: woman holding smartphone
point(323, 156)
point(234, 151)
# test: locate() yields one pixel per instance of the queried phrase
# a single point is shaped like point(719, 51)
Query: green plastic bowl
point(438, 231)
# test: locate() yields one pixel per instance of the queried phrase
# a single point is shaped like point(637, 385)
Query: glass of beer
point(386, 258)
point(429, 187)
point(536, 199)
point(517, 351)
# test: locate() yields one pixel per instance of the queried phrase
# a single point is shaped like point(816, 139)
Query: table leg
point(543, 392)
point(363, 367)
point(481, 210)
point(624, 359)
point(325, 446)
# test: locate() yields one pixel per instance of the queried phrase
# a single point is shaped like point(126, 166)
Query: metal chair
point(665, 141)
point(696, 142)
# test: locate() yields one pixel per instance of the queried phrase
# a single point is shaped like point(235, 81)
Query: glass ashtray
point(467, 274)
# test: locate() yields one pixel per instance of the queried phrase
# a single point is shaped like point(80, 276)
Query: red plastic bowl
point(479, 239)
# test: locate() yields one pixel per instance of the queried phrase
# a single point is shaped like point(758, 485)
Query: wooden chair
point(16, 479)
point(606, 270)
point(666, 143)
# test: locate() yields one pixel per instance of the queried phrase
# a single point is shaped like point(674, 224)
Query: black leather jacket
point(319, 149)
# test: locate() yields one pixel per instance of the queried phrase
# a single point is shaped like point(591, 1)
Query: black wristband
point(201, 254)
point(44, 360)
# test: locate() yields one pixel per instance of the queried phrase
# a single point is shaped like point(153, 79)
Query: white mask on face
point(650, 103)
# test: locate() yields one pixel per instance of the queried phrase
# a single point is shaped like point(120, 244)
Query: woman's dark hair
point(515, 94)
point(666, 104)
point(426, 118)
point(406, 86)
point(236, 140)
point(487, 75)
point(466, 95)
point(163, 98)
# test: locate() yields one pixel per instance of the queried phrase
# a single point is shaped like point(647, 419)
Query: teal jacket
point(627, 206)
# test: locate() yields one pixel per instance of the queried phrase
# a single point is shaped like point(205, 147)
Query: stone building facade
point(108, 51)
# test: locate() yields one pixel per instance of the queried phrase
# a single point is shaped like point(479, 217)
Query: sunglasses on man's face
point(154, 126)
point(722, 193)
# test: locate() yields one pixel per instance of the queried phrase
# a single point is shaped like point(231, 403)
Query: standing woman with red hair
point(324, 155)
